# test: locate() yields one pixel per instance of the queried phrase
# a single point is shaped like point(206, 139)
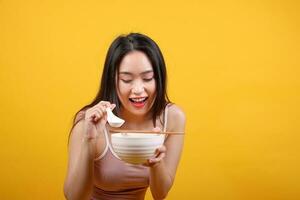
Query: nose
point(137, 88)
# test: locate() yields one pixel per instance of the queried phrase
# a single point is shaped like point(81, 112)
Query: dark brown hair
point(121, 46)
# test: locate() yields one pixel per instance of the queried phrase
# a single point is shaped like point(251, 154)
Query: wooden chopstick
point(145, 131)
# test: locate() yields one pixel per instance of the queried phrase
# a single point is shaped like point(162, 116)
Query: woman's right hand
point(95, 120)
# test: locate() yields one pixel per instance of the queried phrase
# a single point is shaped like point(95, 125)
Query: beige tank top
point(115, 179)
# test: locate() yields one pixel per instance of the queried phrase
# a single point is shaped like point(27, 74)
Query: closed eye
point(126, 81)
point(148, 79)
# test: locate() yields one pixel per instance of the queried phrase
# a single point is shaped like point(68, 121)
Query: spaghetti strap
point(109, 144)
point(165, 118)
point(106, 146)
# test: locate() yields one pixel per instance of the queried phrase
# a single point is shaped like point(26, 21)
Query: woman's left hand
point(160, 153)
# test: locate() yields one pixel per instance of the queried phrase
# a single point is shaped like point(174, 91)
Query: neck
point(133, 121)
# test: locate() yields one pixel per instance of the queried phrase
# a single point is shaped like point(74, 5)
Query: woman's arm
point(79, 180)
point(163, 169)
point(85, 138)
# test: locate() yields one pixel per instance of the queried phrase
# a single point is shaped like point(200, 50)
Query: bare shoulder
point(79, 116)
point(77, 123)
point(175, 112)
point(176, 118)
point(76, 131)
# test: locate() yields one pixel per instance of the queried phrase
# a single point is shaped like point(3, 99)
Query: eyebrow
point(129, 73)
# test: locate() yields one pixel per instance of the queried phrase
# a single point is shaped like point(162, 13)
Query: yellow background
point(233, 67)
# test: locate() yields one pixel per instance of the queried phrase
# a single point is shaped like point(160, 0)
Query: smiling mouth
point(138, 102)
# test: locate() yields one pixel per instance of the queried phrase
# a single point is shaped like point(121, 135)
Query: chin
point(141, 111)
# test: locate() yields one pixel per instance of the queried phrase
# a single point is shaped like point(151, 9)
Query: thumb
point(112, 106)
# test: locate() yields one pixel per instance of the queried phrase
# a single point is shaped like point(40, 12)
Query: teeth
point(139, 99)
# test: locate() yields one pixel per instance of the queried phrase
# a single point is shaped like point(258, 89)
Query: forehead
point(135, 62)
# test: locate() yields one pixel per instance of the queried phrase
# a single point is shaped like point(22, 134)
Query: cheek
point(123, 89)
point(152, 88)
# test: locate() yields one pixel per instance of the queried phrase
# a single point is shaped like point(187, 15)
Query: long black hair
point(121, 46)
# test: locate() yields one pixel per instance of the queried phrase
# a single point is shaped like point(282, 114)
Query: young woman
point(133, 85)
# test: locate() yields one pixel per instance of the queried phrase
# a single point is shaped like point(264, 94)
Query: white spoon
point(113, 120)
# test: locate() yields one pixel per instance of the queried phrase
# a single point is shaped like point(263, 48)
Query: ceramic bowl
point(136, 148)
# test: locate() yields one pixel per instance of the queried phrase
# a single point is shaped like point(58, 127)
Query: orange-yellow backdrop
point(233, 67)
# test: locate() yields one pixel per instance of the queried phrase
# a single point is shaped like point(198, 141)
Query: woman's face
point(136, 86)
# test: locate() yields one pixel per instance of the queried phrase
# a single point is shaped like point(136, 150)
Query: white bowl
point(136, 148)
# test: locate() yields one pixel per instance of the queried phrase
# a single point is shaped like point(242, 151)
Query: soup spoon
point(113, 120)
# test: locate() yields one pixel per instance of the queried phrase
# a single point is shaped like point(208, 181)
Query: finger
point(157, 129)
point(101, 113)
point(159, 154)
point(157, 159)
point(95, 114)
point(112, 106)
point(102, 107)
point(161, 149)
point(105, 104)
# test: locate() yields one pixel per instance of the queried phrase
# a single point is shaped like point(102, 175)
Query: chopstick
point(145, 132)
